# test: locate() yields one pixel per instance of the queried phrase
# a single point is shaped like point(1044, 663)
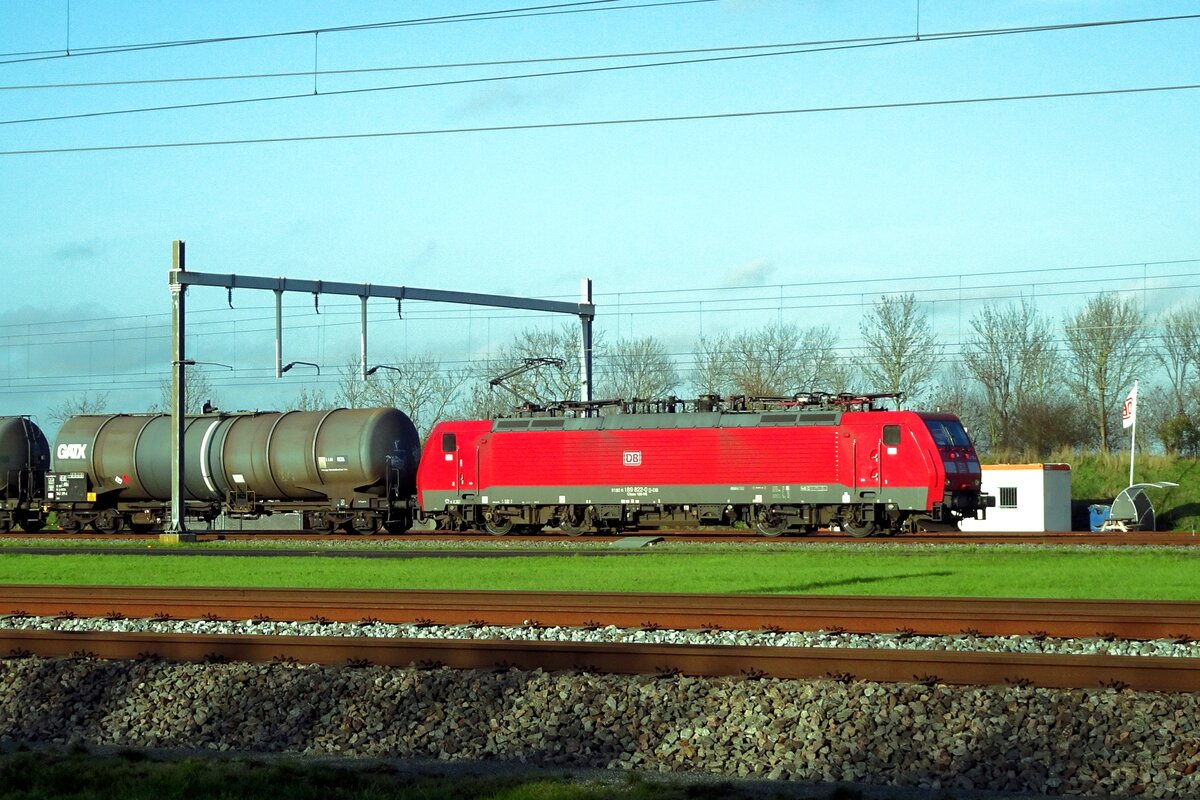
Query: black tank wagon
point(349, 468)
point(24, 459)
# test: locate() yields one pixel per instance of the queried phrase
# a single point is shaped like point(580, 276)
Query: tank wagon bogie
point(778, 471)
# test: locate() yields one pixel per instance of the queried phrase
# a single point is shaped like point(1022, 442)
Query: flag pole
point(1133, 434)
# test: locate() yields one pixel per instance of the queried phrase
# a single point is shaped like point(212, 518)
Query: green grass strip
point(131, 774)
point(1083, 573)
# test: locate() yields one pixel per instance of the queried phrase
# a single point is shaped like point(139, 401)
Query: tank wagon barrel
point(343, 467)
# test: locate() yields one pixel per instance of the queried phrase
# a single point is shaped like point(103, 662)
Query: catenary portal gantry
point(179, 278)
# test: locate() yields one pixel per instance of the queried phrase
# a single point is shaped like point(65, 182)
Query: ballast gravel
point(1103, 742)
point(1011, 739)
point(610, 633)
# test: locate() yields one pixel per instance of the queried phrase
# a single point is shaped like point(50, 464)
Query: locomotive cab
point(961, 474)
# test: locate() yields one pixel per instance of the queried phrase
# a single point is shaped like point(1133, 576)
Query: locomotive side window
point(891, 434)
point(449, 443)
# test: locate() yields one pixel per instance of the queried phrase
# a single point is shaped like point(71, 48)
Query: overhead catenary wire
point(580, 6)
point(919, 284)
point(729, 115)
point(777, 50)
point(897, 38)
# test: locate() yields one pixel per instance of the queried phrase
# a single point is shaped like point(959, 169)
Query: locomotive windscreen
point(948, 433)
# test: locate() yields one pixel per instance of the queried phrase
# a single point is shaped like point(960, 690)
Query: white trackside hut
point(1029, 498)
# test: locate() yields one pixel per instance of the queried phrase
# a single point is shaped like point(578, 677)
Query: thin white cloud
point(754, 273)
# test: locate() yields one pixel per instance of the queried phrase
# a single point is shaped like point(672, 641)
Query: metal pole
point(585, 345)
point(363, 339)
point(279, 333)
point(178, 293)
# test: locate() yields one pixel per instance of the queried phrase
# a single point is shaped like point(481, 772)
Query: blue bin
point(1098, 515)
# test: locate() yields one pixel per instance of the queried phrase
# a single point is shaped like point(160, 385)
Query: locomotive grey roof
point(712, 419)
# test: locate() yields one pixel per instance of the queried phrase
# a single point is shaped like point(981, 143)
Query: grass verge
point(133, 775)
point(931, 570)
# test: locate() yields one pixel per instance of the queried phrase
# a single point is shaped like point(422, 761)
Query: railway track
point(907, 615)
point(931, 616)
point(903, 666)
point(1134, 538)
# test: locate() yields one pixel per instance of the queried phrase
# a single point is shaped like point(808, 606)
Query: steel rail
point(1087, 538)
point(892, 666)
point(909, 615)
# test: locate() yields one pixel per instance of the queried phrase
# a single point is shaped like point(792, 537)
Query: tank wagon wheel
point(108, 521)
point(322, 524)
point(70, 524)
point(366, 524)
point(143, 527)
point(6, 524)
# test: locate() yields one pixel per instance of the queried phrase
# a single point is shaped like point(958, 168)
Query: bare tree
point(775, 360)
point(639, 368)
point(1012, 356)
point(310, 399)
point(419, 386)
point(198, 389)
point(79, 404)
point(542, 385)
point(901, 351)
point(713, 372)
point(1179, 354)
point(1105, 339)
point(782, 359)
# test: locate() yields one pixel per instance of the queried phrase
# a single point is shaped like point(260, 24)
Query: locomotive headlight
point(947, 483)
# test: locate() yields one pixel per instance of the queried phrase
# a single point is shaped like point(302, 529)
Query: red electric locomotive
point(788, 465)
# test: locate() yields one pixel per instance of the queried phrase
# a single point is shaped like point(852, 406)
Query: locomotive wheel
point(858, 528)
point(574, 524)
point(771, 529)
point(571, 529)
point(771, 523)
point(6, 523)
point(500, 527)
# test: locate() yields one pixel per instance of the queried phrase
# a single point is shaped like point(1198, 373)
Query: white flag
point(1129, 410)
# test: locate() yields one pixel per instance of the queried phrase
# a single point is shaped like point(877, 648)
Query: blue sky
point(752, 210)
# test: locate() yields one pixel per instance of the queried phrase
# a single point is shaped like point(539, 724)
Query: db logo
point(67, 451)
point(632, 458)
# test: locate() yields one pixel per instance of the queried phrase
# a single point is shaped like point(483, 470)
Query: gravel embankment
point(1005, 644)
point(1095, 742)
point(1017, 739)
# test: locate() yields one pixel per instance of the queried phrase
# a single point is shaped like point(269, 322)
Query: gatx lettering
point(72, 451)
